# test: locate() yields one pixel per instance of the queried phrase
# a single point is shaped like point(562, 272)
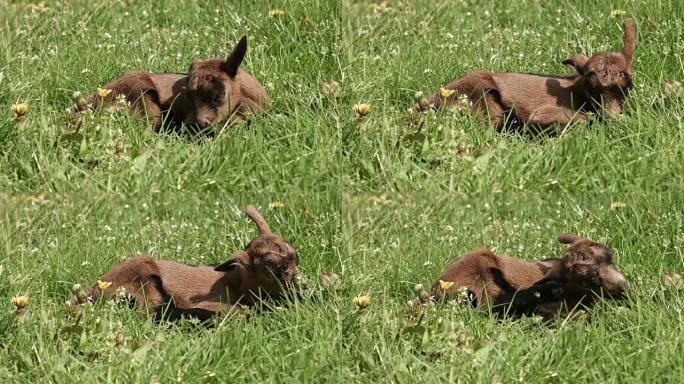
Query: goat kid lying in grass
point(266, 268)
point(546, 288)
point(600, 86)
point(213, 92)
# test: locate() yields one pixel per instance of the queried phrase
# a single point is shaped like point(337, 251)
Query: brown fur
point(601, 85)
point(264, 269)
point(213, 92)
point(585, 272)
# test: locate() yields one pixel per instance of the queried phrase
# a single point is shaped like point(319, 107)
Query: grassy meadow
point(385, 203)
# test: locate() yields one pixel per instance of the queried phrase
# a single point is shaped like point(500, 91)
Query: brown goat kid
point(600, 86)
point(517, 287)
point(213, 92)
point(266, 268)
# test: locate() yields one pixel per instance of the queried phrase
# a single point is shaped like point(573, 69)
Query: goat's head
point(608, 75)
point(214, 89)
point(267, 265)
point(588, 266)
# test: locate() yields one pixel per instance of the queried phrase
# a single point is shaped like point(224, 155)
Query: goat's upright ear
point(232, 63)
point(239, 260)
point(578, 62)
point(569, 238)
point(630, 40)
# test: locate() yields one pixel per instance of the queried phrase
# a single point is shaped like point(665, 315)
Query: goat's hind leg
point(138, 278)
point(487, 106)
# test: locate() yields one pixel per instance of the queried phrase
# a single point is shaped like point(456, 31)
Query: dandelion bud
point(81, 102)
point(424, 296)
point(418, 288)
point(76, 95)
point(81, 296)
point(75, 288)
point(462, 338)
point(120, 338)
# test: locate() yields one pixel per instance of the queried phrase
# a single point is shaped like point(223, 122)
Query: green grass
point(361, 199)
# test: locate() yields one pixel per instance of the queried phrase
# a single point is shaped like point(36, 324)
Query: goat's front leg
point(526, 301)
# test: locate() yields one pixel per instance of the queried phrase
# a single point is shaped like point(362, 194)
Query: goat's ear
point(232, 63)
point(630, 40)
point(238, 260)
point(578, 62)
point(592, 79)
point(553, 273)
point(569, 238)
point(256, 217)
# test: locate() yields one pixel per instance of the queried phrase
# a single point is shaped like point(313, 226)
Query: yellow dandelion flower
point(445, 93)
point(19, 109)
point(19, 302)
point(444, 285)
point(362, 109)
point(276, 13)
point(277, 205)
point(103, 92)
point(103, 284)
point(618, 205)
point(618, 12)
point(378, 8)
point(362, 302)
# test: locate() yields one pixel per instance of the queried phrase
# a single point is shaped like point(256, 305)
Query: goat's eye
point(215, 102)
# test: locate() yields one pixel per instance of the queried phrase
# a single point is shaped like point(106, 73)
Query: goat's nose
point(620, 289)
point(203, 122)
point(624, 287)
